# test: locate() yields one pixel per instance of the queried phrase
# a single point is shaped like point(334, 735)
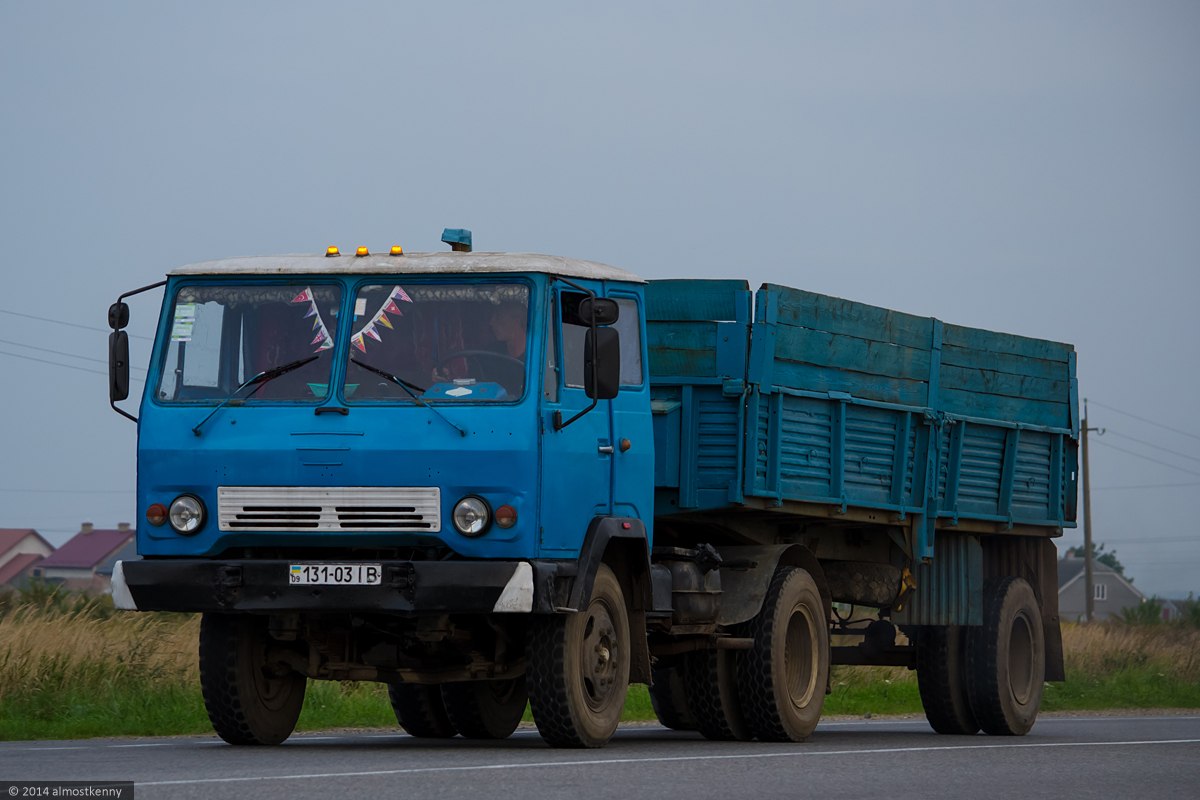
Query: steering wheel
point(488, 365)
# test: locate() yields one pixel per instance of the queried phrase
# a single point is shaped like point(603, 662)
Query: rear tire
point(579, 668)
point(942, 680)
point(669, 700)
point(710, 684)
point(419, 710)
point(784, 674)
point(485, 709)
point(249, 698)
point(1006, 659)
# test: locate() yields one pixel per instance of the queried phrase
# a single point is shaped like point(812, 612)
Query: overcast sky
point(1025, 167)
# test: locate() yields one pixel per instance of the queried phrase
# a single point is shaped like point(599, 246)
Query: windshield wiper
point(408, 387)
point(258, 381)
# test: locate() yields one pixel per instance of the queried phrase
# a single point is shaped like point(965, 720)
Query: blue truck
point(494, 480)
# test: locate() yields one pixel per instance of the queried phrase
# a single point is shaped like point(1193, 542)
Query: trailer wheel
point(1007, 659)
point(419, 710)
point(710, 685)
point(942, 679)
point(783, 676)
point(250, 699)
point(485, 709)
point(579, 668)
point(669, 699)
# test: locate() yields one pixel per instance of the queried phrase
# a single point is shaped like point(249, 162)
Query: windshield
point(455, 342)
point(222, 336)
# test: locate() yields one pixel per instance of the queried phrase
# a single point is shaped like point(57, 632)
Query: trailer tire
point(249, 699)
point(669, 699)
point(710, 684)
point(579, 668)
point(1007, 659)
point(784, 674)
point(942, 679)
point(420, 711)
point(485, 709)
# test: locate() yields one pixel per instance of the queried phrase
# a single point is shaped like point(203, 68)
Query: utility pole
point(1088, 587)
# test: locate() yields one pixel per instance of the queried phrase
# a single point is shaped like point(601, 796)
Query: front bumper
point(466, 587)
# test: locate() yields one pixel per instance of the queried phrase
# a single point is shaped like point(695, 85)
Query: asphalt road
point(1109, 757)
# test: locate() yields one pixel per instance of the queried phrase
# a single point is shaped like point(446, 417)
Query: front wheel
point(579, 668)
point(1006, 659)
point(251, 697)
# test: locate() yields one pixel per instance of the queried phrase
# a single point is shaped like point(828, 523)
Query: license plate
point(335, 574)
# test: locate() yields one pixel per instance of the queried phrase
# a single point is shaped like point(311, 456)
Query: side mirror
point(599, 310)
point(118, 316)
point(118, 363)
point(602, 378)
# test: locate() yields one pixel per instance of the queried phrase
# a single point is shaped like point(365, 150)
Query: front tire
point(1006, 658)
point(784, 674)
point(579, 668)
point(485, 709)
point(250, 697)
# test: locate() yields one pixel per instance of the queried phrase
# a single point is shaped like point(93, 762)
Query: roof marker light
point(332, 251)
point(362, 251)
point(397, 250)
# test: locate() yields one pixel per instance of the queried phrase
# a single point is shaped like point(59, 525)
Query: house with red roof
point(20, 550)
point(76, 564)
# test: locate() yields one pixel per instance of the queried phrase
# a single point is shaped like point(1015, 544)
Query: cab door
point(577, 459)
point(632, 427)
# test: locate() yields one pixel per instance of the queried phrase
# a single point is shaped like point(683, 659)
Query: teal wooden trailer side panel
point(823, 400)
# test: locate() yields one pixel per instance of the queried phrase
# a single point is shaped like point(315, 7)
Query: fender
point(621, 543)
point(747, 573)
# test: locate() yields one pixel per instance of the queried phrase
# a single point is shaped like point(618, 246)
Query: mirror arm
point(558, 420)
point(121, 299)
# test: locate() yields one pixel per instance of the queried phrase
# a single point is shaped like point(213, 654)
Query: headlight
point(187, 514)
point(472, 516)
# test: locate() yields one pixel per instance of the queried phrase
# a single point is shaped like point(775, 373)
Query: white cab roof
point(410, 263)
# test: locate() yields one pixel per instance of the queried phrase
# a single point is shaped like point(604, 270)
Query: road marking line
point(652, 760)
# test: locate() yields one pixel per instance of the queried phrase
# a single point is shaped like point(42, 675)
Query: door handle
point(606, 449)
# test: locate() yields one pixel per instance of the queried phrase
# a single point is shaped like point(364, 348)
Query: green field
point(71, 668)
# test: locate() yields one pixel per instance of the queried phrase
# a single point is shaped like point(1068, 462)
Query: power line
point(63, 322)
point(63, 366)
point(71, 355)
point(69, 324)
point(1142, 419)
point(1147, 458)
point(68, 491)
point(1144, 486)
point(1111, 432)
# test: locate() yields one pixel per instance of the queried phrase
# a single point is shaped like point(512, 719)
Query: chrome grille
point(349, 508)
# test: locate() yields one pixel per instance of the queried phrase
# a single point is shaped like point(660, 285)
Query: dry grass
point(44, 652)
point(82, 670)
point(1171, 651)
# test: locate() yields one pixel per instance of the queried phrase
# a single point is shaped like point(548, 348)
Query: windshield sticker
point(184, 322)
point(360, 307)
point(458, 391)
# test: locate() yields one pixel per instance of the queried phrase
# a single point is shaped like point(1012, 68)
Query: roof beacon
point(332, 251)
point(362, 251)
point(459, 239)
point(397, 250)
